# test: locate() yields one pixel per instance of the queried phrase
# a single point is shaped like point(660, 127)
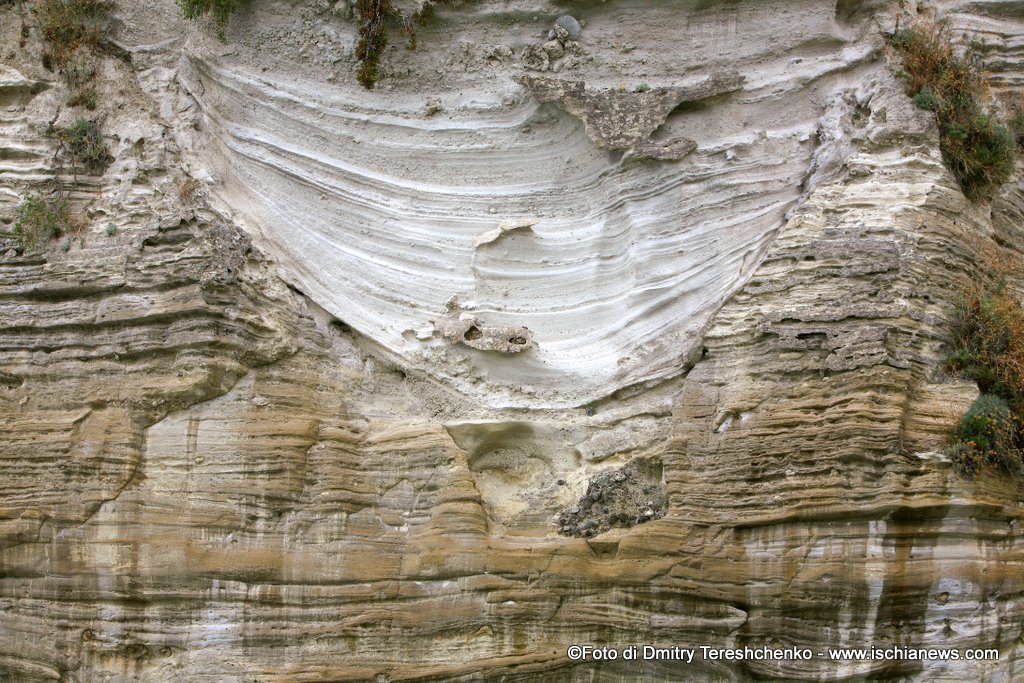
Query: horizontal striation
point(209, 475)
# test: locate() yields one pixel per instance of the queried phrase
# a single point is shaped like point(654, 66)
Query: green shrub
point(926, 99)
point(990, 433)
point(1009, 460)
point(39, 219)
point(989, 424)
point(967, 461)
point(219, 10)
point(84, 143)
point(975, 146)
point(988, 346)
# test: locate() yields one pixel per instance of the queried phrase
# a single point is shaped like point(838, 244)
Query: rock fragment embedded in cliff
point(619, 497)
point(625, 121)
point(465, 328)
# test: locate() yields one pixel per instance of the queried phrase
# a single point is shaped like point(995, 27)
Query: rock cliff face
point(628, 337)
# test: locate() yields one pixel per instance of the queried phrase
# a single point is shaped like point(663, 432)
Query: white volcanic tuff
point(23, 156)
point(376, 218)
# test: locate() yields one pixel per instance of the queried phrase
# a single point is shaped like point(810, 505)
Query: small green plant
point(67, 25)
point(990, 433)
point(219, 10)
point(80, 77)
point(975, 146)
point(40, 218)
point(860, 115)
point(84, 144)
point(373, 38)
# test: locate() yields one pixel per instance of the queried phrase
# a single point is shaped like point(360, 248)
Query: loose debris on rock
point(623, 497)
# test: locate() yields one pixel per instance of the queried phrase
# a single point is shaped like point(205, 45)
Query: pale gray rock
point(569, 25)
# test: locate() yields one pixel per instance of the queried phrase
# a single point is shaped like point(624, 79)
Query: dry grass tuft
point(83, 143)
point(188, 189)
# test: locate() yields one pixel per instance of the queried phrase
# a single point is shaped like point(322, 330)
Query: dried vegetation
point(988, 347)
point(947, 80)
point(73, 31)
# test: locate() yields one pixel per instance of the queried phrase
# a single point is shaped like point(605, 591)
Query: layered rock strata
point(250, 433)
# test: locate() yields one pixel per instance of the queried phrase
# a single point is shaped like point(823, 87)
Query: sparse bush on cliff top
point(988, 341)
point(376, 17)
point(71, 29)
point(989, 434)
point(373, 38)
point(975, 146)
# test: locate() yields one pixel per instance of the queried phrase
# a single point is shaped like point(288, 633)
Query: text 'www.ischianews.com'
point(689, 655)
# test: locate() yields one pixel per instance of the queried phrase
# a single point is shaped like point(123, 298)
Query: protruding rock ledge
point(619, 120)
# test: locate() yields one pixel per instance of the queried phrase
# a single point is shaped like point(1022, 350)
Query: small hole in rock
point(472, 333)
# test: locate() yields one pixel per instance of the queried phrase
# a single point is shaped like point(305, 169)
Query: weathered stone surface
point(233, 448)
point(625, 121)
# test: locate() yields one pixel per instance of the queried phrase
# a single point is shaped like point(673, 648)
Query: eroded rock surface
point(624, 121)
point(236, 448)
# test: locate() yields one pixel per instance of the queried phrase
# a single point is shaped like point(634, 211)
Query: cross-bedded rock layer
point(627, 259)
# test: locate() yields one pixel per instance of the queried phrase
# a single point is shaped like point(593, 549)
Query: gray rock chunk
point(571, 26)
point(625, 121)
